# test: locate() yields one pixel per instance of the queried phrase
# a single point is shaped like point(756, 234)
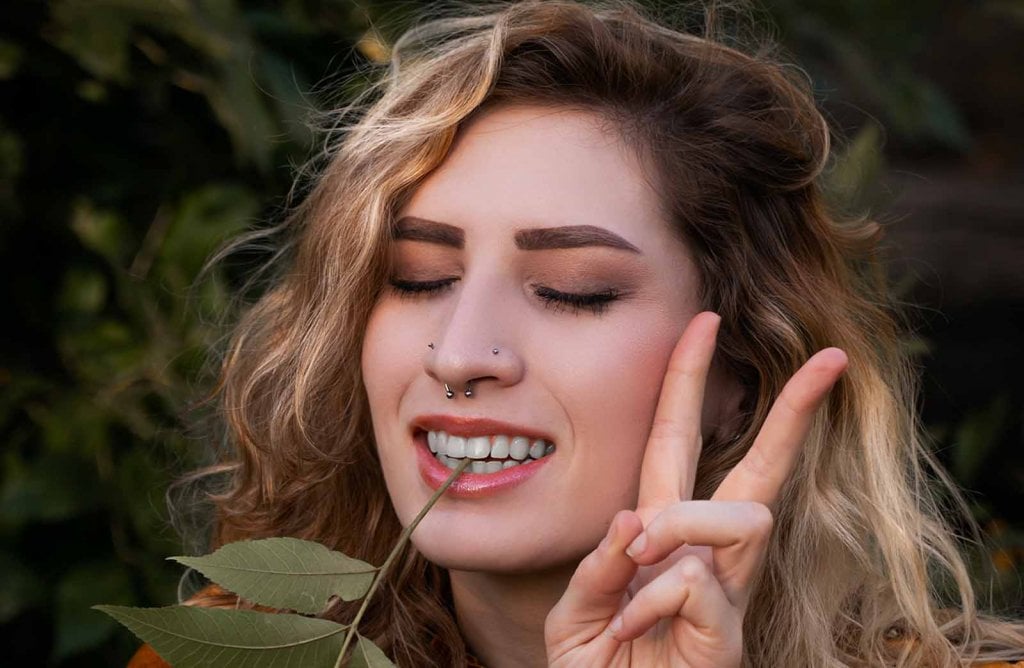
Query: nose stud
point(494, 351)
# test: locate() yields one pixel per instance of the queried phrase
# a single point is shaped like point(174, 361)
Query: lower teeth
point(481, 465)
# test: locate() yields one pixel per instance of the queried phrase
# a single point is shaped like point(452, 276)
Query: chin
point(512, 552)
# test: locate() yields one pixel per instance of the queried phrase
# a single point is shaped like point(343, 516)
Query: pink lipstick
point(479, 484)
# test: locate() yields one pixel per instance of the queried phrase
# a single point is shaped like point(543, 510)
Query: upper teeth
point(487, 447)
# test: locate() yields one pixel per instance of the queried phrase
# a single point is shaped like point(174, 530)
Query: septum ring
point(450, 393)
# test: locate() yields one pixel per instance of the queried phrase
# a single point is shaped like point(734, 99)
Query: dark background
point(136, 136)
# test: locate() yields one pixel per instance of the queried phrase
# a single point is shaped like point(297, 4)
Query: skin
point(626, 429)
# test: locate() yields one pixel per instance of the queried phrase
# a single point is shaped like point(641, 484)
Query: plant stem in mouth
point(402, 540)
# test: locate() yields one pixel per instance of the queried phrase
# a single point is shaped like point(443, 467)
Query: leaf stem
point(402, 540)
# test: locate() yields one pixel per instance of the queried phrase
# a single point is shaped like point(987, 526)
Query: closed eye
point(595, 302)
point(416, 288)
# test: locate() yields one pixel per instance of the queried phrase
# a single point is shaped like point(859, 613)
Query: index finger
point(762, 472)
point(673, 447)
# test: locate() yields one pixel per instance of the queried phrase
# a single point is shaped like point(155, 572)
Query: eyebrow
point(571, 236)
point(540, 238)
point(421, 229)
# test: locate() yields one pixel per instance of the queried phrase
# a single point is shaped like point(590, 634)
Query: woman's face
point(531, 204)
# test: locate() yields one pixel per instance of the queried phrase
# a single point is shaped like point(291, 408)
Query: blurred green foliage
point(135, 137)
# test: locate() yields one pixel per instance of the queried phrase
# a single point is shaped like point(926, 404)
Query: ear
point(723, 397)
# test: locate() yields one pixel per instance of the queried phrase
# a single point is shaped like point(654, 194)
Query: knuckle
point(756, 464)
point(692, 569)
point(589, 570)
point(759, 518)
point(665, 428)
point(792, 401)
point(687, 368)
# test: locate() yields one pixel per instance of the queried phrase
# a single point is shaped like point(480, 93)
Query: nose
point(476, 346)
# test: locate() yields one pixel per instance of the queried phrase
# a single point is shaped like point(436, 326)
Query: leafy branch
point(283, 573)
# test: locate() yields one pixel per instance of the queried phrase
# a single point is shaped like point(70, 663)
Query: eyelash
point(595, 302)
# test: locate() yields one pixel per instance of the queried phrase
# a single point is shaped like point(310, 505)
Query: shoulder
point(146, 657)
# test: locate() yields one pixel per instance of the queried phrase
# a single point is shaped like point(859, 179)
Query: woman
point(511, 257)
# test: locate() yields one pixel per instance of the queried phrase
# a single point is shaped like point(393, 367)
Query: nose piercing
point(494, 351)
point(448, 392)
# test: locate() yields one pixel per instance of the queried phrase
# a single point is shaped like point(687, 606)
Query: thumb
point(595, 592)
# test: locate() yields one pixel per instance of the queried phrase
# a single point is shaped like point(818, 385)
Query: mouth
point(498, 462)
point(487, 454)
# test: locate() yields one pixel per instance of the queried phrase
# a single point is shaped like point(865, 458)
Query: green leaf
point(186, 636)
point(84, 291)
point(856, 170)
point(285, 573)
point(241, 107)
point(368, 655)
point(202, 221)
point(103, 232)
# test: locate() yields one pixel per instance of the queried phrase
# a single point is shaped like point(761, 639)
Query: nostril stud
point(494, 351)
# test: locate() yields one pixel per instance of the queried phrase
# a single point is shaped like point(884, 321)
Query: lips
point(473, 485)
point(476, 426)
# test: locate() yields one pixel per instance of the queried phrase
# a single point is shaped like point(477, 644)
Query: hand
point(670, 582)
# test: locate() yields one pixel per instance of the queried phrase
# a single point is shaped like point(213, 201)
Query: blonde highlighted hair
point(861, 553)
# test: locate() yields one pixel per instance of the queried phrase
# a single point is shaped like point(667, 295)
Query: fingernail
point(615, 626)
point(638, 545)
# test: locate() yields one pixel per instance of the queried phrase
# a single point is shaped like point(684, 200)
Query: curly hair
point(735, 146)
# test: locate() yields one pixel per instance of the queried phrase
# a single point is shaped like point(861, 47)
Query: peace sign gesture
point(670, 582)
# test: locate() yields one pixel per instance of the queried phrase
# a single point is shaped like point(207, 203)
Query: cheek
point(388, 356)
point(389, 362)
point(629, 383)
point(614, 400)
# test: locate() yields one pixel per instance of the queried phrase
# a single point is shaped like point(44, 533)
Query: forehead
point(541, 167)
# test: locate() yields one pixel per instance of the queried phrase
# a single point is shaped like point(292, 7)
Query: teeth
point(500, 448)
point(519, 448)
point(478, 447)
point(456, 447)
point(490, 453)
